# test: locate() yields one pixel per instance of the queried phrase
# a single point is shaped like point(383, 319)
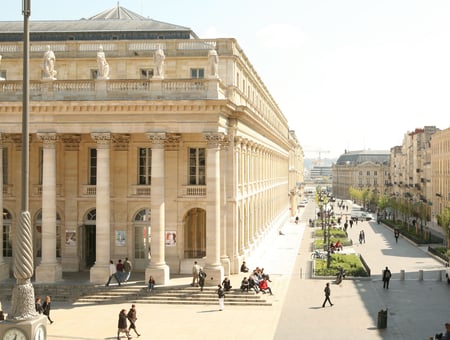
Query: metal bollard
point(421, 275)
point(402, 275)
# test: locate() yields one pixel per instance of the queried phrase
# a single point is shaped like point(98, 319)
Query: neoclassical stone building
point(146, 142)
point(363, 170)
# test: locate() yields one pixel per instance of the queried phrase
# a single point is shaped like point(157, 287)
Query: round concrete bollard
point(421, 275)
point(402, 275)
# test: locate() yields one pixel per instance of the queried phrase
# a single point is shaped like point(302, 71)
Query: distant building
point(319, 172)
point(363, 170)
point(440, 172)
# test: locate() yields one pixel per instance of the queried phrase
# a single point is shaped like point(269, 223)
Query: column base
point(159, 272)
point(215, 275)
point(99, 274)
point(226, 264)
point(48, 273)
point(4, 271)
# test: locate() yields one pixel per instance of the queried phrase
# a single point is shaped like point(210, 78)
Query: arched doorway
point(195, 233)
point(142, 237)
point(88, 239)
point(37, 242)
point(6, 230)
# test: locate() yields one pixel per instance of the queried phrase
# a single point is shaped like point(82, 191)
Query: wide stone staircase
point(136, 292)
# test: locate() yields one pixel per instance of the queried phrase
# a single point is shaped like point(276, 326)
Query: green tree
point(443, 221)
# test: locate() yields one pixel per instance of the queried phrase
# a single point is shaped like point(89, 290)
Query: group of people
point(121, 272)
point(124, 318)
point(44, 307)
point(258, 280)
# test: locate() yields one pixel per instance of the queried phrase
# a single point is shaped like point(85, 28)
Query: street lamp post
point(23, 321)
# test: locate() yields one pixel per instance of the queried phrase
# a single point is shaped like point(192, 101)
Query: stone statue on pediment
point(0, 64)
point(48, 65)
point(159, 58)
point(213, 63)
point(102, 65)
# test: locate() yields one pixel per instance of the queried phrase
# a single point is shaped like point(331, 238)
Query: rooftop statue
point(213, 61)
point(102, 65)
point(159, 58)
point(48, 64)
point(0, 64)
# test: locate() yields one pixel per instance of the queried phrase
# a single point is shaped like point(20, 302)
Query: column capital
point(215, 139)
point(48, 139)
point(102, 138)
point(158, 139)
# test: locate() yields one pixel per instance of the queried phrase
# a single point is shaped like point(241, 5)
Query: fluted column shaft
point(49, 198)
point(157, 266)
point(99, 273)
point(213, 264)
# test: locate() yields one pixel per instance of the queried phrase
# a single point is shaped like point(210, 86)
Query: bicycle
point(318, 255)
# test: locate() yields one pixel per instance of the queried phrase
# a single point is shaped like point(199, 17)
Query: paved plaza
point(416, 309)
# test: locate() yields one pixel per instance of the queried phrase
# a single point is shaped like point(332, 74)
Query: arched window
point(195, 233)
point(142, 235)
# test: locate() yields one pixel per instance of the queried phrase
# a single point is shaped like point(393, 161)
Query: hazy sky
point(347, 74)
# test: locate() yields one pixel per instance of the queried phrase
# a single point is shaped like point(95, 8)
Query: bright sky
point(347, 74)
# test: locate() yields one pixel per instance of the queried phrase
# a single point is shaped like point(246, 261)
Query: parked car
point(361, 215)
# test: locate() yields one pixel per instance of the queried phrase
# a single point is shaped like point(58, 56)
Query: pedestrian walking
point(112, 273)
point(201, 279)
point(195, 272)
point(132, 317)
point(46, 306)
point(386, 277)
point(151, 284)
point(362, 237)
point(327, 291)
point(122, 324)
point(127, 267)
point(119, 270)
point(221, 296)
point(396, 234)
point(38, 305)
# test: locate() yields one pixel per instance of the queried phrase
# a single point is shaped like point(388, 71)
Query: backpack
point(202, 274)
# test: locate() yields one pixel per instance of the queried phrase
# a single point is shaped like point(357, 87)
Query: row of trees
point(404, 209)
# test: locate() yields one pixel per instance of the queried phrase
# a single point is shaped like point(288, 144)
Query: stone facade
point(162, 170)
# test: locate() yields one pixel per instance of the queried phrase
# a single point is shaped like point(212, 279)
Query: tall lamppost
point(23, 321)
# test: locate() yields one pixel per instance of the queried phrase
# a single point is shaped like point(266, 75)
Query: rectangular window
point(7, 247)
point(92, 166)
point(94, 74)
point(145, 166)
point(197, 166)
point(198, 73)
point(5, 166)
point(3, 74)
point(146, 73)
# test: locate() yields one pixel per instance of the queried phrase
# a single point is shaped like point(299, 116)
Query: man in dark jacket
point(122, 324)
point(386, 278)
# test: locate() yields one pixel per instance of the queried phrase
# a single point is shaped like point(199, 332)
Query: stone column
point(100, 271)
point(213, 265)
point(70, 260)
point(157, 266)
point(4, 267)
point(49, 269)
